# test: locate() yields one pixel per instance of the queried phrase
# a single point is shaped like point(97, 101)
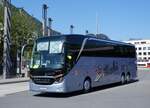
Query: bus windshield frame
point(48, 54)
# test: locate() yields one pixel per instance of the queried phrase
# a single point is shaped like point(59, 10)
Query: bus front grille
point(43, 81)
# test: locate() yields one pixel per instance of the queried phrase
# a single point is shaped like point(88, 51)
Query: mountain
point(23, 27)
point(32, 19)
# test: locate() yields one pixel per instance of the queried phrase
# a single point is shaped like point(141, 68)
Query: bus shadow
point(66, 95)
point(100, 88)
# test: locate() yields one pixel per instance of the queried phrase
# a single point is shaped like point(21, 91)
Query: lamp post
point(71, 29)
point(22, 51)
point(44, 16)
point(50, 26)
point(86, 32)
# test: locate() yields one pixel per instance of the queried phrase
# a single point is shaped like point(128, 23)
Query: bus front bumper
point(56, 88)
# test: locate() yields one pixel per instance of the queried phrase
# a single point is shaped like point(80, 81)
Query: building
point(143, 52)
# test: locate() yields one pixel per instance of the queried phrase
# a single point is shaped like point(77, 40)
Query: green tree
point(23, 28)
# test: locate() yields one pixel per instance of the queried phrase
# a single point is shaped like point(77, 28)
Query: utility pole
point(97, 25)
point(44, 16)
point(50, 26)
point(21, 58)
point(7, 41)
point(71, 29)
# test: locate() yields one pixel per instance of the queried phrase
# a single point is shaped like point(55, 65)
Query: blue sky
point(119, 19)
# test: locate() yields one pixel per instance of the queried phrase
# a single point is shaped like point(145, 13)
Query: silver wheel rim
point(122, 79)
point(87, 85)
point(128, 78)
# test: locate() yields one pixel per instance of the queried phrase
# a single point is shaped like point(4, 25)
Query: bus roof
point(81, 37)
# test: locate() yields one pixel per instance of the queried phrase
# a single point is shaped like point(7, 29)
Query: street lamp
point(50, 26)
point(22, 51)
point(71, 29)
point(44, 16)
point(86, 32)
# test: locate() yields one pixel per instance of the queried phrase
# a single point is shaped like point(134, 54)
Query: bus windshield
point(48, 54)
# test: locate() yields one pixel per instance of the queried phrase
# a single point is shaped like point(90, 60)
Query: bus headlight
point(59, 80)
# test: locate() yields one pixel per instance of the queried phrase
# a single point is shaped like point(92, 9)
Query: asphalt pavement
point(14, 80)
point(133, 95)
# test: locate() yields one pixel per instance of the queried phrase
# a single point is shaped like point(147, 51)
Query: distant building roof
point(141, 41)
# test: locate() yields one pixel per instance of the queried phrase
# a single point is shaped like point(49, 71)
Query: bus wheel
point(128, 78)
point(87, 85)
point(122, 79)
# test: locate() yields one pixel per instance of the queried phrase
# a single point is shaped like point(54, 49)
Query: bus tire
point(123, 80)
point(87, 85)
point(128, 78)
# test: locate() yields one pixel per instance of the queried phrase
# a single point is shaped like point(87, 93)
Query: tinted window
point(144, 53)
point(140, 48)
point(107, 49)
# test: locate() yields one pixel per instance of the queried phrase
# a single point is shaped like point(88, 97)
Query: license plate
point(43, 88)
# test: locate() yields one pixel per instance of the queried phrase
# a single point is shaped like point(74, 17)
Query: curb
point(13, 80)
